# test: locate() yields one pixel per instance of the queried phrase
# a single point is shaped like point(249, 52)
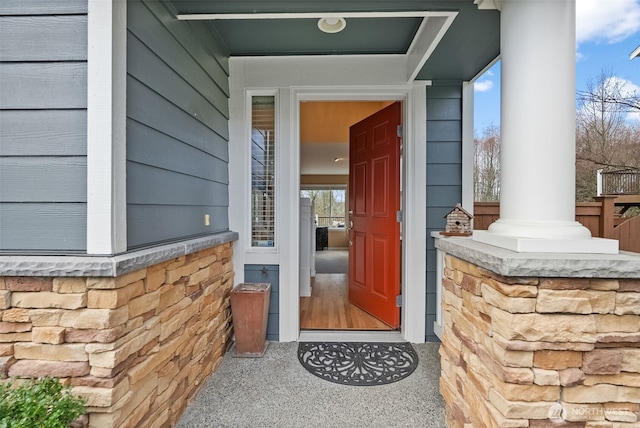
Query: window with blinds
point(263, 139)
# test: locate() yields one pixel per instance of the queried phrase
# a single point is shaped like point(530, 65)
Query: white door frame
point(413, 297)
point(320, 79)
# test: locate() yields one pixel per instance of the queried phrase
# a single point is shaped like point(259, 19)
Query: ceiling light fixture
point(339, 159)
point(332, 24)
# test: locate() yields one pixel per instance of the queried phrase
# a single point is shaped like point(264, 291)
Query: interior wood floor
point(328, 308)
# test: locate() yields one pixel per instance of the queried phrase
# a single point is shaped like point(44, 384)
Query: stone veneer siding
point(137, 346)
point(539, 351)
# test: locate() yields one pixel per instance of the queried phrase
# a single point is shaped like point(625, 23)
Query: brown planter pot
point(249, 312)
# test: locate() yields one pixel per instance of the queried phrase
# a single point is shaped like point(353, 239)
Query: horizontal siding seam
point(53, 15)
point(2, 155)
point(225, 115)
point(188, 51)
point(55, 61)
point(41, 109)
point(186, 143)
point(218, 39)
point(48, 109)
point(176, 106)
point(176, 172)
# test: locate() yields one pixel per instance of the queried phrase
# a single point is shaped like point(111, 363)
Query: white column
point(106, 126)
point(537, 191)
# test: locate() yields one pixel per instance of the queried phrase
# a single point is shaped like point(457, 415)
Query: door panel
point(358, 177)
point(380, 136)
point(381, 248)
point(359, 142)
point(359, 260)
point(374, 199)
point(380, 182)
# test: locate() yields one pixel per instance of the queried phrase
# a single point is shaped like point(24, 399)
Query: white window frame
point(249, 106)
point(248, 241)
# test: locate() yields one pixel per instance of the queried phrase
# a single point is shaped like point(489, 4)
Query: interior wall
point(324, 179)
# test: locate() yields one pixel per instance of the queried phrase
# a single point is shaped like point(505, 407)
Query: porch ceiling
point(469, 45)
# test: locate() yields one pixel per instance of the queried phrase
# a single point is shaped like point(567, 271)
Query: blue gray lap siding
point(177, 130)
point(444, 174)
point(43, 131)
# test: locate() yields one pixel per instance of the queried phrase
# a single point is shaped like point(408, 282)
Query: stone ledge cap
point(109, 266)
point(566, 265)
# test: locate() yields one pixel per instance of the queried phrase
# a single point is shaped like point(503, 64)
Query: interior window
point(329, 205)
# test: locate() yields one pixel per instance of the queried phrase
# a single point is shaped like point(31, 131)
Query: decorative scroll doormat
point(360, 364)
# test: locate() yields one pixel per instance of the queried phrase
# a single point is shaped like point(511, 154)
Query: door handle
point(350, 225)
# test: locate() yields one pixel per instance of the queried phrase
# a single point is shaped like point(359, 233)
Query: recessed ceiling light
point(332, 24)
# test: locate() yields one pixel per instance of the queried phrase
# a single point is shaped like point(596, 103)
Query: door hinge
point(399, 301)
point(400, 131)
point(399, 216)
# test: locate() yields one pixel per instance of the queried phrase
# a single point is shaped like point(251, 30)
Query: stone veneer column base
point(533, 349)
point(138, 346)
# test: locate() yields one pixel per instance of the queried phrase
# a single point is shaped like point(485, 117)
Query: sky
point(607, 31)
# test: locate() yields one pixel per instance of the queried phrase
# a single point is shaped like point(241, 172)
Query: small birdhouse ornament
point(458, 222)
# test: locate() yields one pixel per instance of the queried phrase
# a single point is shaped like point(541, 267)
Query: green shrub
point(44, 403)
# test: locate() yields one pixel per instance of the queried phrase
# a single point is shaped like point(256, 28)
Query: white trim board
point(328, 78)
point(311, 15)
point(467, 145)
point(106, 127)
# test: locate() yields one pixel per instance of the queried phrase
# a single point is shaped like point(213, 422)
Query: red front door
point(374, 200)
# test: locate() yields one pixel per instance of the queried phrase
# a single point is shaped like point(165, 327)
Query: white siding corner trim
point(106, 122)
point(414, 249)
point(438, 325)
point(467, 146)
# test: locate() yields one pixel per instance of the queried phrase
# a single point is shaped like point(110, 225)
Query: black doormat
point(360, 364)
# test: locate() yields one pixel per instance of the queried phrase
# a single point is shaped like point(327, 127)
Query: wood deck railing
point(621, 182)
point(335, 221)
point(599, 217)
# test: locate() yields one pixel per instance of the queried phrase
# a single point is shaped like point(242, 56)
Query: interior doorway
point(324, 178)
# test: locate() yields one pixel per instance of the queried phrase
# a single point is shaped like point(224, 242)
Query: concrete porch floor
point(276, 391)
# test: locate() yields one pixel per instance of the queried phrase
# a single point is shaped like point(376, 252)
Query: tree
point(605, 137)
point(486, 165)
point(328, 202)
